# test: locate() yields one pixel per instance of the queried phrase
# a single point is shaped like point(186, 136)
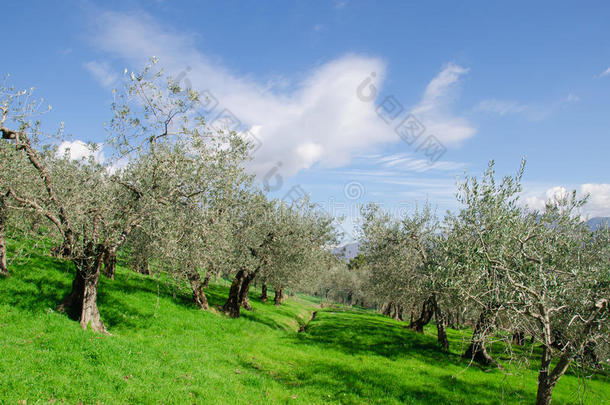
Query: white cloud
point(597, 206)
point(604, 73)
point(79, 150)
point(501, 107)
point(532, 112)
point(102, 72)
point(599, 200)
point(434, 108)
point(339, 4)
point(401, 162)
point(317, 119)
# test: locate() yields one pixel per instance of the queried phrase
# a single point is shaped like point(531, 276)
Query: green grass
point(165, 350)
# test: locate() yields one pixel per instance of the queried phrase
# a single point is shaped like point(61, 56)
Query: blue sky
point(488, 80)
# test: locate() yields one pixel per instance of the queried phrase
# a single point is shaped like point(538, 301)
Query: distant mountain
point(347, 252)
point(596, 222)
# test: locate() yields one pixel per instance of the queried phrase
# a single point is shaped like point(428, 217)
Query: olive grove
point(174, 197)
point(173, 193)
point(501, 268)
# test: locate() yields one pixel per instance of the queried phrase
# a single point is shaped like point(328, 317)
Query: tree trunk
point(110, 263)
point(206, 280)
point(140, 265)
point(545, 392)
point(3, 218)
point(477, 350)
point(264, 297)
point(238, 292)
point(518, 338)
point(245, 289)
point(278, 297)
point(397, 312)
point(441, 322)
point(427, 312)
point(547, 378)
point(62, 251)
point(197, 286)
point(545, 388)
point(81, 303)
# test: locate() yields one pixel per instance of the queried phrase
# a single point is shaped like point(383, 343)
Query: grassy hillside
point(165, 350)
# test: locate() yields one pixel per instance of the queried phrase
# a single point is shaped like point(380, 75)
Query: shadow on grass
point(355, 332)
point(259, 315)
point(362, 333)
point(36, 283)
point(337, 381)
point(39, 282)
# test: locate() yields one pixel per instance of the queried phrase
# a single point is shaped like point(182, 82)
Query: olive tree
point(301, 250)
point(406, 266)
point(390, 262)
point(544, 273)
point(279, 243)
point(94, 206)
point(252, 233)
point(485, 225)
point(559, 274)
point(191, 233)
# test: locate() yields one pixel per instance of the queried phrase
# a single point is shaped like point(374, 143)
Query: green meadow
point(164, 350)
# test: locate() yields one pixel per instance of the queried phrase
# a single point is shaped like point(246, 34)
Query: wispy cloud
point(502, 107)
point(530, 111)
point(339, 4)
point(404, 162)
point(315, 120)
point(102, 72)
point(604, 73)
point(434, 109)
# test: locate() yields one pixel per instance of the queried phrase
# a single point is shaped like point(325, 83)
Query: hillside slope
point(165, 350)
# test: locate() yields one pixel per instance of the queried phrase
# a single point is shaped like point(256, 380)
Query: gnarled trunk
point(477, 350)
point(264, 297)
point(518, 338)
point(441, 322)
point(547, 378)
point(238, 293)
point(386, 308)
point(81, 303)
point(278, 297)
point(245, 289)
point(140, 265)
point(62, 251)
point(110, 263)
point(3, 218)
point(397, 312)
point(197, 287)
point(246, 303)
point(427, 312)
point(206, 280)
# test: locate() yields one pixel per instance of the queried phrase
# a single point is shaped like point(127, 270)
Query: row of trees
point(503, 269)
point(173, 195)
